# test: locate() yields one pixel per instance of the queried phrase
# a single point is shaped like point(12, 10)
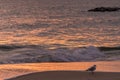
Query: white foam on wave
point(57, 55)
point(89, 53)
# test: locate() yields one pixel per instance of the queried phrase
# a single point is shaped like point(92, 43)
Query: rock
point(104, 9)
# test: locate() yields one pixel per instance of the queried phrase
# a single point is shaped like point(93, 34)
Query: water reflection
point(36, 23)
point(18, 69)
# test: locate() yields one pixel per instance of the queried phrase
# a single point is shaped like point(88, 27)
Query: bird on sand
point(92, 69)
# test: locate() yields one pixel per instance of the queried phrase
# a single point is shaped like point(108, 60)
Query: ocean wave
point(13, 47)
point(109, 48)
point(28, 55)
point(34, 53)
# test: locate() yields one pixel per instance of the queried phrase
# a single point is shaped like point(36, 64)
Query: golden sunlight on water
point(41, 30)
point(49, 22)
point(12, 70)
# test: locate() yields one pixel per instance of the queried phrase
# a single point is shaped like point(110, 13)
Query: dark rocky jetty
point(104, 9)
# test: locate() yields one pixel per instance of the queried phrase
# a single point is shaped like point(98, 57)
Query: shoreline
point(13, 70)
point(69, 75)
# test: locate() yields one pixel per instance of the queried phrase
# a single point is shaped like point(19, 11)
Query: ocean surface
point(33, 27)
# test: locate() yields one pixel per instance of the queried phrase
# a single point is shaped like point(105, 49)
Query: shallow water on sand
point(12, 70)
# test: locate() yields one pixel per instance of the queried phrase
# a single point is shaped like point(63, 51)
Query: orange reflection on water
point(55, 31)
point(17, 69)
point(23, 20)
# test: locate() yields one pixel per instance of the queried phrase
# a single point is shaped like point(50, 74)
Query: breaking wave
point(29, 54)
point(34, 53)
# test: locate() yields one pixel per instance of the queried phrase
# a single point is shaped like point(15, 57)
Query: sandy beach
point(69, 75)
point(76, 69)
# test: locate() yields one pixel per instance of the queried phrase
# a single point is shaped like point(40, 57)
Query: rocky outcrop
point(104, 9)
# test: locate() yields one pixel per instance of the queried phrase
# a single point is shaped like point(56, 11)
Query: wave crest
point(57, 55)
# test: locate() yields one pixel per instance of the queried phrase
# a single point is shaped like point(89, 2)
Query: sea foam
point(56, 55)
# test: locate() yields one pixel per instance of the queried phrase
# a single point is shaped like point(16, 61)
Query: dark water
point(58, 23)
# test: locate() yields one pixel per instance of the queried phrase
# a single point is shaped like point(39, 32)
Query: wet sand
point(69, 75)
point(12, 70)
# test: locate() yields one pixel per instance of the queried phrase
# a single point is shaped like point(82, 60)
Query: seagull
point(92, 69)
